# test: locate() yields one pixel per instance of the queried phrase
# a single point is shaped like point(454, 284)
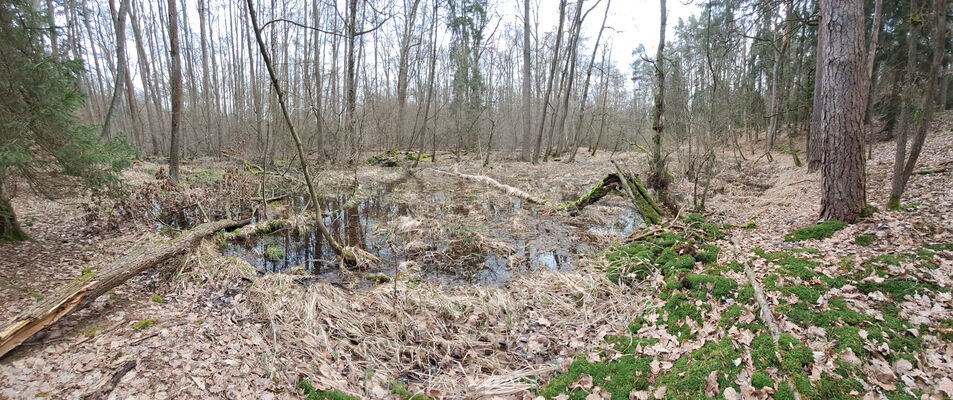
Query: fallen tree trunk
point(86, 288)
point(633, 189)
point(496, 185)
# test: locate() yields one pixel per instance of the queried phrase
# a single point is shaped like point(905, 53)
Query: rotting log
point(86, 288)
point(610, 183)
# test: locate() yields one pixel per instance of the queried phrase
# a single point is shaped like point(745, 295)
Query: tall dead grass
point(458, 342)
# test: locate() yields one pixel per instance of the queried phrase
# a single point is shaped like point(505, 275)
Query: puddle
point(461, 237)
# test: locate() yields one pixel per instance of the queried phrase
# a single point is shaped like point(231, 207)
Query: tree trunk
point(120, 77)
point(658, 179)
point(549, 83)
point(175, 78)
point(86, 288)
point(903, 171)
point(815, 140)
point(527, 110)
point(9, 227)
point(843, 98)
point(776, 77)
point(402, 69)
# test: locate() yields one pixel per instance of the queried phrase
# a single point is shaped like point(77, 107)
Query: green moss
point(749, 226)
point(761, 380)
point(718, 286)
point(897, 289)
point(763, 352)
point(868, 211)
point(688, 377)
point(805, 293)
point(274, 253)
point(680, 308)
point(144, 324)
point(820, 231)
point(795, 356)
point(92, 330)
point(625, 374)
point(313, 394)
point(693, 218)
point(29, 292)
point(398, 388)
point(708, 255)
point(271, 227)
point(157, 299)
point(865, 239)
point(628, 344)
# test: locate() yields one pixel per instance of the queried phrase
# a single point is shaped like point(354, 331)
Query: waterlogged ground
point(436, 228)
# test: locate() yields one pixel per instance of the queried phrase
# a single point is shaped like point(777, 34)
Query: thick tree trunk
point(175, 76)
point(83, 290)
point(843, 99)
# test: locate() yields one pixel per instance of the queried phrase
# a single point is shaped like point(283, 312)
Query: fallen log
point(496, 185)
point(87, 287)
point(633, 189)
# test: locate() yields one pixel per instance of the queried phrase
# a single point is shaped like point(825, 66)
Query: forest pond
point(452, 237)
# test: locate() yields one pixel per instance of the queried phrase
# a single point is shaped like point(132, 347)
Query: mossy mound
point(820, 231)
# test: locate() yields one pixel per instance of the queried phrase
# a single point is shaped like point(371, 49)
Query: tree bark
point(85, 289)
point(175, 78)
point(815, 140)
point(843, 99)
point(776, 77)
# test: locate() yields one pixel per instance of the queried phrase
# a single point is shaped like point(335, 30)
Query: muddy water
point(456, 239)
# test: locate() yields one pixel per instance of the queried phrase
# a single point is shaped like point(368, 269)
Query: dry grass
point(463, 342)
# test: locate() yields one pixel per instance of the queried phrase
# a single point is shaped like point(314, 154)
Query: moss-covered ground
point(703, 336)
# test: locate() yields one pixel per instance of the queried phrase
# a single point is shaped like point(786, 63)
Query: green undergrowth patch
point(820, 231)
point(670, 252)
point(866, 239)
point(311, 393)
point(400, 390)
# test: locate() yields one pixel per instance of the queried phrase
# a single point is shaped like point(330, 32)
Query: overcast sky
point(633, 22)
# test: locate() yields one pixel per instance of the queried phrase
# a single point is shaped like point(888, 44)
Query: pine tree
point(41, 144)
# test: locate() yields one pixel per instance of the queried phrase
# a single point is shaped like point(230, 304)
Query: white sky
point(634, 22)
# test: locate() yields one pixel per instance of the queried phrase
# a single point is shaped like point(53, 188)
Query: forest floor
point(480, 295)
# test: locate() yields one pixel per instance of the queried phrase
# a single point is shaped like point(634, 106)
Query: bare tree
point(175, 84)
point(549, 83)
point(346, 254)
point(120, 78)
point(903, 170)
point(527, 138)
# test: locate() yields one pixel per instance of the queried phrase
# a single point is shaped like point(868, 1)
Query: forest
point(476, 199)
